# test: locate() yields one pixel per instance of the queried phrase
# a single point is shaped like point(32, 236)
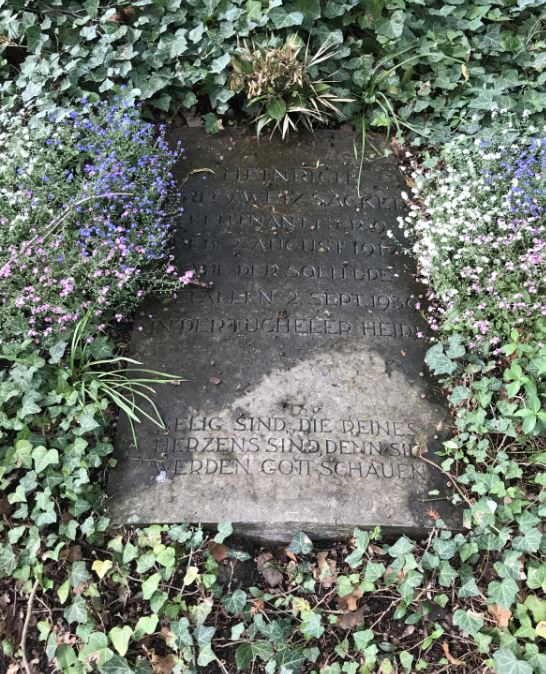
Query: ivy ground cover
point(77, 596)
point(430, 65)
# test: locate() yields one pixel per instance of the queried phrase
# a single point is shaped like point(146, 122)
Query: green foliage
point(278, 83)
point(432, 65)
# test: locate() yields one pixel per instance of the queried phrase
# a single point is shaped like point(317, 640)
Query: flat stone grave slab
point(305, 403)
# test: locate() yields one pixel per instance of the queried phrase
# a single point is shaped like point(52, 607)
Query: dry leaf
point(464, 70)
point(350, 601)
point(72, 553)
point(273, 576)
point(218, 550)
point(257, 606)
point(451, 659)
point(325, 571)
point(501, 615)
point(163, 665)
point(348, 621)
point(291, 555)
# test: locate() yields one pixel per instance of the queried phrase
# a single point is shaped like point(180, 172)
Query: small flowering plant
point(86, 209)
point(478, 223)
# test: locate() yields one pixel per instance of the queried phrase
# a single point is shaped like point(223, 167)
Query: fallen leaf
point(350, 620)
point(350, 601)
point(464, 71)
point(272, 576)
point(501, 615)
point(218, 550)
point(163, 665)
point(291, 555)
point(326, 570)
point(257, 606)
point(451, 659)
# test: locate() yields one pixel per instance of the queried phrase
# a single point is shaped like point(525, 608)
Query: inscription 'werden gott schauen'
point(304, 405)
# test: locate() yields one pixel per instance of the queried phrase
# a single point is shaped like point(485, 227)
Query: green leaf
point(192, 573)
point(145, 625)
point(276, 108)
point(244, 656)
point(57, 352)
point(507, 663)
point(213, 124)
point(235, 602)
point(311, 626)
point(63, 591)
point(403, 546)
point(291, 659)
point(468, 621)
point(220, 64)
point(120, 638)
point(438, 361)
point(406, 660)
point(44, 457)
point(150, 585)
point(284, 19)
point(301, 544)
point(79, 574)
point(503, 592)
point(391, 27)
point(77, 611)
point(116, 665)
point(225, 529)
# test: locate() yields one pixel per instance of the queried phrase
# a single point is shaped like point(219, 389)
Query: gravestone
point(304, 404)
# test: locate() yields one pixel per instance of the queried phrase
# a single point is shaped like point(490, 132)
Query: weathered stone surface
point(305, 398)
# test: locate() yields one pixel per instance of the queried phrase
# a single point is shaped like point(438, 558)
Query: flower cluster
point(87, 204)
point(478, 222)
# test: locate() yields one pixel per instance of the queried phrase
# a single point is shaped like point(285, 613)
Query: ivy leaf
point(507, 663)
point(101, 568)
point(44, 457)
point(145, 625)
point(438, 361)
point(150, 585)
point(192, 573)
point(283, 19)
point(57, 352)
point(219, 64)
point(77, 611)
point(503, 592)
point(225, 529)
point(311, 626)
point(391, 27)
point(301, 544)
point(291, 659)
point(78, 574)
point(116, 665)
point(120, 638)
point(403, 546)
point(244, 656)
point(88, 423)
point(455, 347)
point(235, 602)
point(468, 621)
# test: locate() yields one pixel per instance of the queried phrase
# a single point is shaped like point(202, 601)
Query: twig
point(24, 633)
point(450, 476)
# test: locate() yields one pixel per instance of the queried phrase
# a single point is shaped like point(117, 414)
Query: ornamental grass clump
point(86, 208)
point(282, 88)
point(478, 222)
